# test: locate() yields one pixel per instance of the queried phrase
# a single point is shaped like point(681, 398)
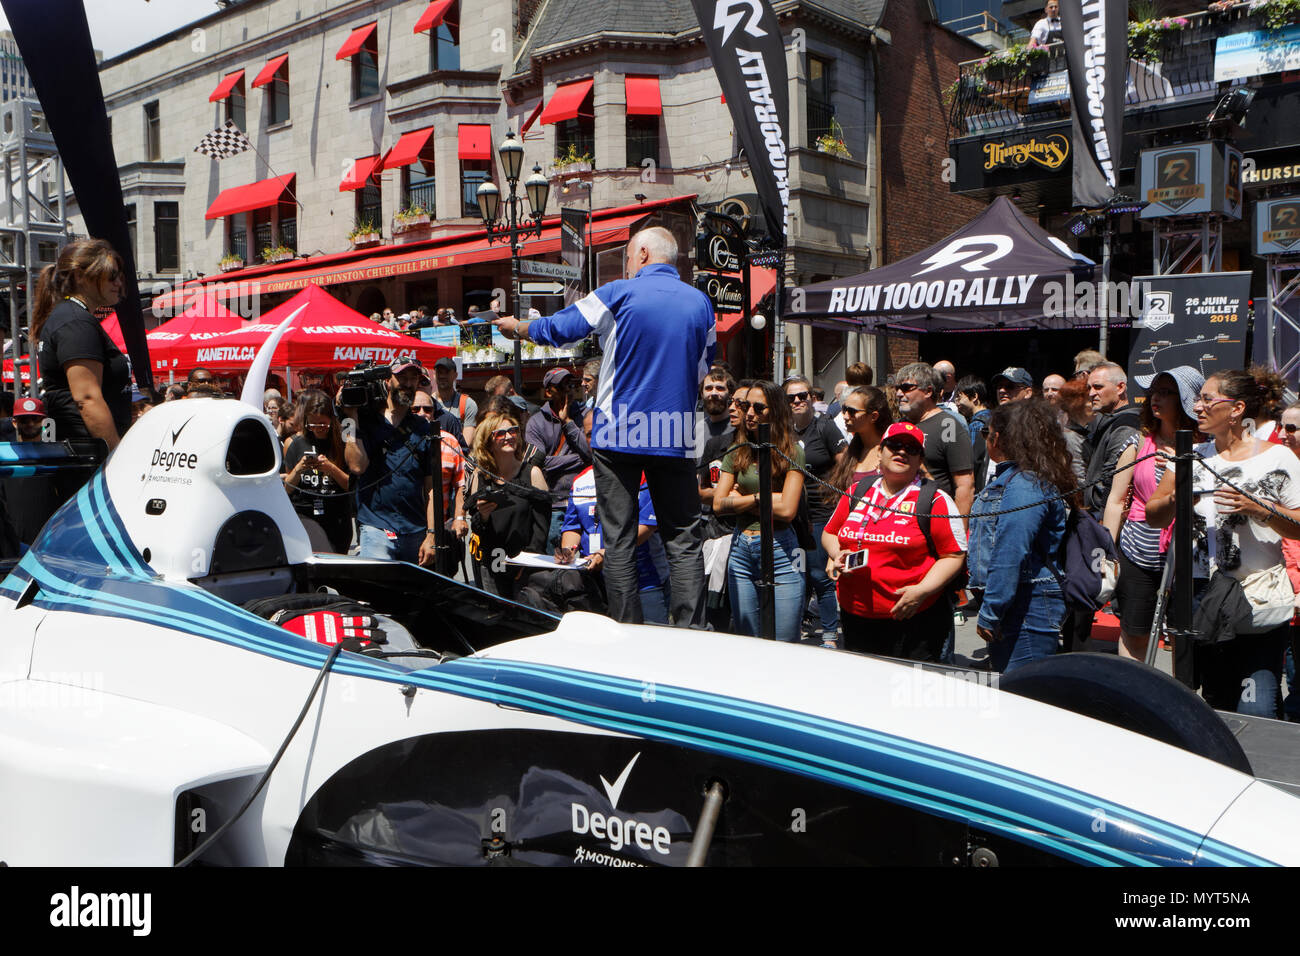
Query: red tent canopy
point(327, 335)
point(25, 368)
point(181, 336)
point(114, 331)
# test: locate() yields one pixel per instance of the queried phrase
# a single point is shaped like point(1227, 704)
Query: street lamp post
point(511, 225)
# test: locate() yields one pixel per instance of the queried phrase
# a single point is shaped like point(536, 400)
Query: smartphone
point(855, 559)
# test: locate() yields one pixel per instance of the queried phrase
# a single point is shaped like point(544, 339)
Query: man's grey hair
point(271, 393)
point(658, 243)
point(592, 368)
point(923, 375)
point(1115, 374)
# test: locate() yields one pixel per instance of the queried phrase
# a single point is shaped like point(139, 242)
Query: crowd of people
point(897, 509)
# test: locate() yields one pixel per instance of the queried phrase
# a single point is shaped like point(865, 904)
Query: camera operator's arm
point(354, 452)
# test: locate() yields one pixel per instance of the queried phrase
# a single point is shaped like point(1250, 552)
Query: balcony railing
point(984, 99)
point(424, 195)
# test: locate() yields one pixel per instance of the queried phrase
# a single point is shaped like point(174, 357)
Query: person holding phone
point(508, 504)
point(893, 600)
point(316, 474)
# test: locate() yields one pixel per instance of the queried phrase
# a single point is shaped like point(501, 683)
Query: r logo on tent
point(963, 249)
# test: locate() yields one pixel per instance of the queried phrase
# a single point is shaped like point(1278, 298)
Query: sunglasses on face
point(422, 409)
point(904, 386)
point(758, 407)
point(510, 432)
point(743, 406)
point(901, 447)
point(1290, 429)
point(797, 397)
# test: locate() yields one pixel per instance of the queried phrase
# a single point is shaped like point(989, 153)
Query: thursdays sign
point(1051, 152)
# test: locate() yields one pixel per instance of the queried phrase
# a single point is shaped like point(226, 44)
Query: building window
point(152, 132)
point(277, 96)
point(417, 188)
point(370, 203)
point(130, 227)
point(820, 112)
point(287, 225)
point(235, 104)
point(47, 251)
point(642, 140)
point(444, 42)
point(238, 244)
point(473, 173)
point(577, 135)
point(261, 234)
point(166, 237)
point(365, 68)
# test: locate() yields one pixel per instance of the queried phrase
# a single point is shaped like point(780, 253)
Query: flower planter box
point(573, 169)
point(282, 257)
point(366, 239)
point(412, 224)
point(232, 265)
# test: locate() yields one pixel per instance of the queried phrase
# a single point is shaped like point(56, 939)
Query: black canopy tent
point(1000, 270)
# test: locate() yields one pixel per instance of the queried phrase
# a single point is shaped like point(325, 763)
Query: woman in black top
point(85, 379)
point(315, 473)
point(823, 447)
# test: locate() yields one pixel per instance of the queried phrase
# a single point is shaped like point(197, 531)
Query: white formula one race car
point(148, 717)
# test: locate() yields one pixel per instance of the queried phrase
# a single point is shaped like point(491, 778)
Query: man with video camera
point(393, 453)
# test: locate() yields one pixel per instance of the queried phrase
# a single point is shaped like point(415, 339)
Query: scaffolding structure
point(33, 214)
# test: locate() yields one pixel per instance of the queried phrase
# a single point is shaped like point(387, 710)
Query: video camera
point(364, 384)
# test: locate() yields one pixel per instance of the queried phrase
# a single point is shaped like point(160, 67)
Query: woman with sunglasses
point(1142, 548)
point(1013, 552)
point(823, 447)
point(316, 474)
point(737, 493)
point(895, 603)
point(508, 504)
point(1239, 535)
point(866, 415)
point(85, 378)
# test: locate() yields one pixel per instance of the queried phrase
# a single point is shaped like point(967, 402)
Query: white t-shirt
point(1044, 28)
point(1234, 543)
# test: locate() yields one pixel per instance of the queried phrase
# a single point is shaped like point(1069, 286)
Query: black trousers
point(676, 498)
point(918, 638)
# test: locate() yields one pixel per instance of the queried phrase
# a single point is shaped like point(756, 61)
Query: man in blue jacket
point(658, 339)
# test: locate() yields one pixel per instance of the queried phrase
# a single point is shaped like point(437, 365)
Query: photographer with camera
point(393, 451)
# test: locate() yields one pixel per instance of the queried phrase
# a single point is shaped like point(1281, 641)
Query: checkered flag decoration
point(224, 143)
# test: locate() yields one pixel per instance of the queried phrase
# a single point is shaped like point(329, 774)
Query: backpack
point(926, 493)
point(1089, 560)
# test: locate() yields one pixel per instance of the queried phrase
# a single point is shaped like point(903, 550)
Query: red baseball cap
point(26, 407)
point(904, 430)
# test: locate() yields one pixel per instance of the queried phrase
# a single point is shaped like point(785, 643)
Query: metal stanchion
point(708, 820)
point(1180, 608)
point(441, 549)
point(767, 577)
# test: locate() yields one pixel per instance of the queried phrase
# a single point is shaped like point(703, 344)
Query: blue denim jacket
point(1008, 553)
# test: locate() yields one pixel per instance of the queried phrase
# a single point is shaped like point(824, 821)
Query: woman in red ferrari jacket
point(896, 604)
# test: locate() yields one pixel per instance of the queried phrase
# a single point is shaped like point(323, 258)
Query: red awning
point(408, 148)
point(258, 195)
point(268, 72)
point(225, 86)
point(359, 174)
point(532, 117)
point(566, 101)
point(433, 15)
point(475, 141)
point(643, 96)
point(355, 41)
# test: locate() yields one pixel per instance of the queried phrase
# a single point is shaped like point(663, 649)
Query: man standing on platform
point(658, 338)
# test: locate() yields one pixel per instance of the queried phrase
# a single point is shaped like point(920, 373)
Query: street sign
point(549, 270)
point(718, 253)
point(541, 288)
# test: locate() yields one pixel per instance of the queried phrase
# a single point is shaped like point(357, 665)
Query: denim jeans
point(1245, 673)
point(1030, 629)
point(822, 586)
point(654, 606)
point(744, 569)
point(375, 543)
point(553, 535)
